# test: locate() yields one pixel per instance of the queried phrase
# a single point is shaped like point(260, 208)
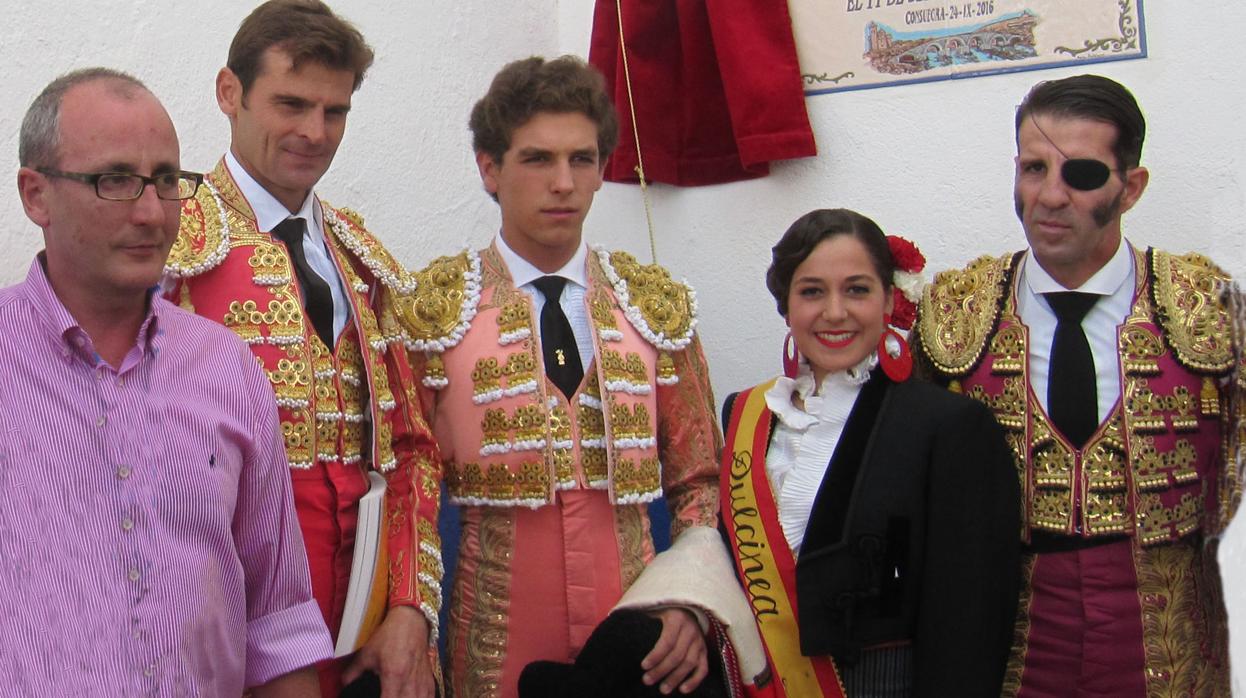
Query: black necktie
point(562, 357)
point(1071, 394)
point(317, 299)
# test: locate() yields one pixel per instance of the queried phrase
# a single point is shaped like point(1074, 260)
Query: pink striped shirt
point(148, 541)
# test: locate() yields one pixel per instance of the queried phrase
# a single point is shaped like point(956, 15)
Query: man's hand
point(398, 653)
point(678, 659)
point(296, 684)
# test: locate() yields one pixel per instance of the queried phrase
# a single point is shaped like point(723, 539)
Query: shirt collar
point(1105, 282)
point(268, 210)
point(524, 272)
point(58, 320)
point(836, 388)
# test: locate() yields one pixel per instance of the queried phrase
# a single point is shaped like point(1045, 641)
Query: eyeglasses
point(1083, 174)
point(127, 186)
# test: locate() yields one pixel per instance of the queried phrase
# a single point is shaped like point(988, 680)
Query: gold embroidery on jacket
point(520, 372)
point(529, 425)
point(601, 308)
point(487, 380)
point(1186, 290)
point(436, 308)
point(1021, 631)
point(958, 312)
point(596, 469)
point(666, 306)
point(283, 318)
point(1008, 405)
point(636, 476)
point(297, 435)
point(1008, 351)
point(486, 633)
point(635, 544)
point(1140, 351)
point(1183, 619)
point(497, 482)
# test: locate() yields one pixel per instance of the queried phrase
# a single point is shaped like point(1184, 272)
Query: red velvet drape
point(717, 88)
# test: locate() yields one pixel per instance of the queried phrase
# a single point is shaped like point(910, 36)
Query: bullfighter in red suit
point(315, 304)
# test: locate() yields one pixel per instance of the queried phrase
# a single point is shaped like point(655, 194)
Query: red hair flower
point(907, 282)
point(906, 255)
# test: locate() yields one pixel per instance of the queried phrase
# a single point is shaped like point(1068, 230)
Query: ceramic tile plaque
point(856, 44)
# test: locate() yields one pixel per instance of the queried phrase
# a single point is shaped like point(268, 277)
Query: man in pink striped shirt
point(148, 542)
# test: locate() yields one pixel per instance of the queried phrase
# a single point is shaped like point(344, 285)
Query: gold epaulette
point(959, 311)
point(347, 226)
point(202, 235)
point(439, 312)
point(1186, 293)
point(663, 310)
point(350, 214)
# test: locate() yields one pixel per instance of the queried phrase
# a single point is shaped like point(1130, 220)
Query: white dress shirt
point(1115, 282)
point(269, 212)
point(523, 273)
point(805, 438)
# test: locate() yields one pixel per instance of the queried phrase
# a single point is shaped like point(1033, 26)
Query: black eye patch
point(1085, 174)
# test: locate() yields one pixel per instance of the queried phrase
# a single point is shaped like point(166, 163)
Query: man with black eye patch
point(1109, 366)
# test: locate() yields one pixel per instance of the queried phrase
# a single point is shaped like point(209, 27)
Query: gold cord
point(640, 162)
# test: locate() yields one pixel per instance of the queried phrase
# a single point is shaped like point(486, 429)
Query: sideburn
point(1108, 212)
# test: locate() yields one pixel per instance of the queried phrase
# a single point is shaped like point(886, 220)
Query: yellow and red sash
point(762, 556)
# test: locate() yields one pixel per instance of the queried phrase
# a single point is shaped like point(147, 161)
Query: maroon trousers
point(1085, 634)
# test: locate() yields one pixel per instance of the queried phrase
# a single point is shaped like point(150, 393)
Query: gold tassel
point(666, 367)
point(1210, 398)
point(434, 367)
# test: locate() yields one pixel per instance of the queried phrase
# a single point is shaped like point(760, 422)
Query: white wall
point(406, 161)
point(931, 162)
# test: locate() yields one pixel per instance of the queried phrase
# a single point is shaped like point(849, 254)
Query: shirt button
point(127, 524)
point(149, 670)
point(123, 472)
point(121, 382)
point(134, 574)
point(101, 421)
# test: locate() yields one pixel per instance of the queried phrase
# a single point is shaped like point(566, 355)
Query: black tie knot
point(550, 287)
point(1071, 306)
point(290, 231)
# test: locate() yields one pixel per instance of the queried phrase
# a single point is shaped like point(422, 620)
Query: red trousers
point(326, 498)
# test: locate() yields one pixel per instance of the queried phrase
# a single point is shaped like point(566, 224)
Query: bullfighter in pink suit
point(566, 389)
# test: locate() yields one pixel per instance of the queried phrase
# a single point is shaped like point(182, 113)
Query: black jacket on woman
point(914, 536)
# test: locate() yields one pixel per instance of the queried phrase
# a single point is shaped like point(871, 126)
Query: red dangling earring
point(791, 357)
point(893, 353)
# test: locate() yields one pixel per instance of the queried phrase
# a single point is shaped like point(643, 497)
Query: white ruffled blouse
point(804, 439)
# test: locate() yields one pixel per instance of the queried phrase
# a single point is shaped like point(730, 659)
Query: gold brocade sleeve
point(426, 473)
point(413, 496)
point(689, 441)
point(1233, 417)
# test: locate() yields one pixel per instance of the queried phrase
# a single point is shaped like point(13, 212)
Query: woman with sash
point(873, 519)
